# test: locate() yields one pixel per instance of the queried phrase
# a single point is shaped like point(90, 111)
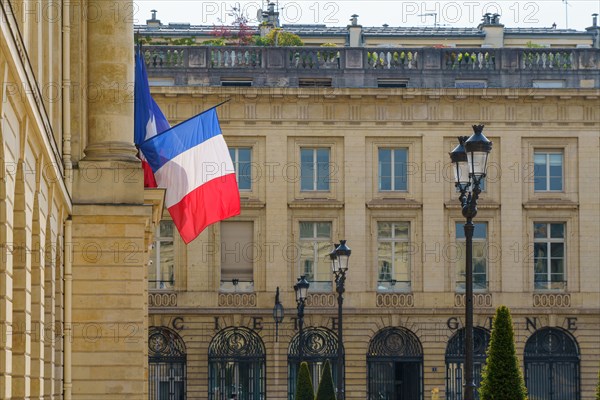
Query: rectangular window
point(479, 257)
point(242, 162)
point(314, 169)
point(393, 256)
point(315, 246)
point(548, 84)
point(237, 256)
point(470, 84)
point(548, 171)
point(549, 255)
point(161, 272)
point(393, 169)
point(392, 83)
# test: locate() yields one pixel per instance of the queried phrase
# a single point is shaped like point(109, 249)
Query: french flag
point(148, 118)
point(192, 162)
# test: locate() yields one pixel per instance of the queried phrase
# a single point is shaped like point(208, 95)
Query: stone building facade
point(352, 143)
point(75, 222)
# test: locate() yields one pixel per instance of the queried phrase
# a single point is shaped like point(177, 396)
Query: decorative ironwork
point(394, 342)
point(236, 365)
point(163, 342)
point(395, 365)
point(552, 365)
point(455, 351)
point(455, 357)
point(167, 364)
point(552, 343)
point(319, 345)
point(234, 343)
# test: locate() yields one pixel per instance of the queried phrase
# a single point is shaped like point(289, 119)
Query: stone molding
point(237, 299)
point(321, 300)
point(162, 299)
point(479, 300)
point(560, 300)
point(394, 300)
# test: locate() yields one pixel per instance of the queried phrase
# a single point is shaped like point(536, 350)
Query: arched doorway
point(166, 365)
point(319, 345)
point(455, 358)
point(236, 364)
point(552, 365)
point(395, 365)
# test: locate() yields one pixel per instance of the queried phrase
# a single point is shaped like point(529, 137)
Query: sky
point(573, 14)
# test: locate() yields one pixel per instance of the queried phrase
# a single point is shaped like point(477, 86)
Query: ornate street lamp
point(301, 289)
point(278, 314)
point(340, 257)
point(470, 165)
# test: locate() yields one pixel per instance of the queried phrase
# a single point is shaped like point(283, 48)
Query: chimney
point(594, 30)
point(153, 23)
point(272, 15)
point(354, 32)
point(493, 29)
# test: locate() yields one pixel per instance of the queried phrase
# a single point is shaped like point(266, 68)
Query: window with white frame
point(242, 162)
point(393, 256)
point(480, 262)
point(548, 171)
point(314, 169)
point(161, 270)
point(549, 255)
point(393, 169)
point(237, 256)
point(315, 246)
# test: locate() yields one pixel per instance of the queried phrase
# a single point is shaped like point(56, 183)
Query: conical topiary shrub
point(502, 378)
point(326, 391)
point(304, 386)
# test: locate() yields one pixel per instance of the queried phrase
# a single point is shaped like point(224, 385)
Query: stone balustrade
point(345, 67)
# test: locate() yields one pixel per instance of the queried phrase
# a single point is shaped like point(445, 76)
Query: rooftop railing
point(362, 67)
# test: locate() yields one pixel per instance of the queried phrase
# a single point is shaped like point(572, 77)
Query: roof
point(544, 31)
point(368, 31)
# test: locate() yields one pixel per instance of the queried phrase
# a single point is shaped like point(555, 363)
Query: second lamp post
point(301, 289)
point(470, 162)
point(339, 265)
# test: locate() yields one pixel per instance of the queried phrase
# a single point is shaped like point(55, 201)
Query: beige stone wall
point(34, 203)
point(354, 123)
point(74, 245)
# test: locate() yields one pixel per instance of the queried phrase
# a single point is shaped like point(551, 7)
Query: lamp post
point(301, 289)
point(339, 265)
point(470, 162)
point(278, 314)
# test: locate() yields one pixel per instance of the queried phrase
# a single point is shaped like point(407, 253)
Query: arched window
point(236, 365)
point(552, 365)
point(166, 365)
point(395, 365)
point(455, 358)
point(319, 345)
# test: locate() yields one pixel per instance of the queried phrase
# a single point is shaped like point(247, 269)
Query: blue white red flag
point(192, 162)
point(149, 119)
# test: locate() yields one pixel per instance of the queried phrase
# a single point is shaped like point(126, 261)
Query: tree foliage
point(279, 37)
point(502, 378)
point(304, 386)
point(326, 390)
point(239, 33)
